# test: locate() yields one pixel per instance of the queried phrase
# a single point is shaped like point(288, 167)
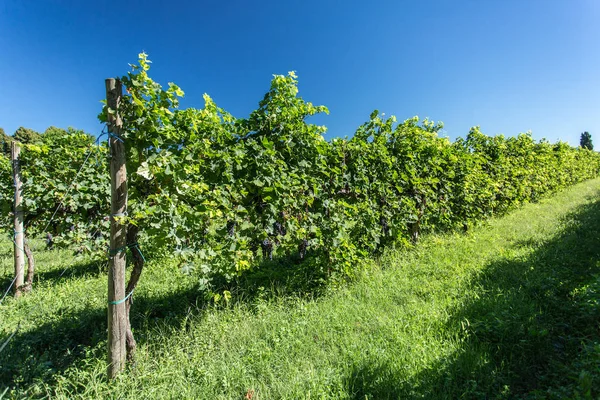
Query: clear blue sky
point(507, 65)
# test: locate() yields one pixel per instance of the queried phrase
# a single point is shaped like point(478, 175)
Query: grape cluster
point(49, 241)
point(253, 245)
point(302, 248)
point(345, 189)
point(279, 228)
point(267, 249)
point(230, 228)
point(384, 225)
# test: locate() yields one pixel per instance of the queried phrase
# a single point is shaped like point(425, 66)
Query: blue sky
point(506, 65)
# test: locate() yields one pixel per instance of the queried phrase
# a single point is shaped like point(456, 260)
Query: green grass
point(510, 310)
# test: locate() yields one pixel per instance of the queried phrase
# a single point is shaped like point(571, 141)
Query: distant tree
point(26, 135)
point(586, 141)
point(5, 142)
point(23, 135)
point(54, 131)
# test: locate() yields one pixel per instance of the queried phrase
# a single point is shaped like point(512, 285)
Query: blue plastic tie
point(113, 252)
point(17, 246)
point(122, 300)
point(137, 247)
point(112, 135)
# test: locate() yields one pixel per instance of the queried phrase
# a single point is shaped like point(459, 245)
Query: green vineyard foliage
point(226, 194)
point(62, 196)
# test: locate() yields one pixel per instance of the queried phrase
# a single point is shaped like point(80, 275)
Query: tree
point(586, 141)
point(5, 142)
point(26, 135)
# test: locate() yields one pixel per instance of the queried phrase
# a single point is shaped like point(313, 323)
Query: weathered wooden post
point(15, 152)
point(117, 323)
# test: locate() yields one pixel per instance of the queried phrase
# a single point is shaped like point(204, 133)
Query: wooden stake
point(19, 252)
point(117, 323)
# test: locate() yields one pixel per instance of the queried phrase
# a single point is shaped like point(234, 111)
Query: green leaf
point(144, 171)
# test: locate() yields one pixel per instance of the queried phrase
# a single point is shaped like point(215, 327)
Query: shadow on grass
point(281, 277)
point(532, 332)
point(375, 380)
point(50, 348)
point(5, 283)
point(39, 354)
point(76, 270)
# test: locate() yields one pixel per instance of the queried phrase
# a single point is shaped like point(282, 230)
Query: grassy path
point(511, 309)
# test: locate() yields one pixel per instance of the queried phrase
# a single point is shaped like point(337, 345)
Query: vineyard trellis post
point(18, 235)
point(117, 323)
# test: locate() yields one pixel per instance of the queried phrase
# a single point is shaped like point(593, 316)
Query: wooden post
point(117, 323)
point(15, 151)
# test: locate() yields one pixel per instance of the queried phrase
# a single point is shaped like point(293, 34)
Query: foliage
point(26, 135)
point(226, 194)
point(73, 210)
point(586, 141)
point(5, 141)
point(6, 189)
point(230, 193)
